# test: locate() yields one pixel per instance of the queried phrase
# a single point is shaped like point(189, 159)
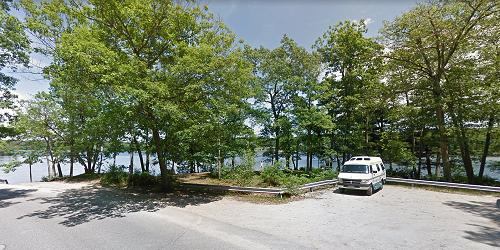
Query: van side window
point(371, 169)
point(382, 164)
point(378, 168)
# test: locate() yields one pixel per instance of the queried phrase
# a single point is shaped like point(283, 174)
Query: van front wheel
point(369, 192)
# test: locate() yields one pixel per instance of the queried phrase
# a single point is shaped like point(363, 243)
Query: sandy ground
point(394, 218)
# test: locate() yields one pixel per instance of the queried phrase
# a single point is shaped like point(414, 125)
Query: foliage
point(273, 175)
point(14, 51)
point(173, 83)
point(144, 180)
point(116, 175)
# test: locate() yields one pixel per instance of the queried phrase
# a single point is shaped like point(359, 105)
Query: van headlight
point(365, 181)
point(340, 180)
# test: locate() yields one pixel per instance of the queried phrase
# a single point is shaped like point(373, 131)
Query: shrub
point(273, 175)
point(400, 173)
point(243, 175)
point(225, 172)
point(115, 176)
point(322, 174)
point(143, 180)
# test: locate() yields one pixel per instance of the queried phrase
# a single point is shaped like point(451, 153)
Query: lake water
point(39, 170)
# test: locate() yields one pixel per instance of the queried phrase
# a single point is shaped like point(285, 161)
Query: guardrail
point(272, 191)
point(311, 186)
point(445, 184)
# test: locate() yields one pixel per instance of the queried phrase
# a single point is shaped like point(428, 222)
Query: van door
point(377, 178)
point(374, 173)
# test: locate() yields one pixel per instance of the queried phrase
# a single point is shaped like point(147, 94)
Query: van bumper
point(360, 186)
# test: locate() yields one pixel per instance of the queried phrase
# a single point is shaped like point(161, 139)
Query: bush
point(143, 180)
point(242, 174)
point(400, 173)
point(322, 174)
point(225, 172)
point(115, 176)
point(272, 175)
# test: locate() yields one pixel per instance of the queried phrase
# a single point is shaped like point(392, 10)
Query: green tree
point(14, 50)
point(428, 40)
point(352, 90)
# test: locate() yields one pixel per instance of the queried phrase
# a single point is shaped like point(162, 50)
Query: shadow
point(355, 192)
point(7, 194)
point(78, 206)
point(484, 234)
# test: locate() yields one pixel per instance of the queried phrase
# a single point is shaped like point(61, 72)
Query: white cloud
point(368, 21)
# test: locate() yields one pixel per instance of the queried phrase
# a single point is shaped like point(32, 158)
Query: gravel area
point(393, 218)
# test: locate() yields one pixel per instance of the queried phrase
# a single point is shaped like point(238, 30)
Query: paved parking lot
point(74, 216)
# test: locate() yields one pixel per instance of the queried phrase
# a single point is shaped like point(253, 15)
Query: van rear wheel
point(369, 192)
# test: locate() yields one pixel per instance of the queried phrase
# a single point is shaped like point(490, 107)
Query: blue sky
point(261, 22)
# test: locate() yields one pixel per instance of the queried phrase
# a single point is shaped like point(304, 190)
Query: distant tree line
point(168, 81)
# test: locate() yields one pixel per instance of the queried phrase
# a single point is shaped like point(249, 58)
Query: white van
point(362, 173)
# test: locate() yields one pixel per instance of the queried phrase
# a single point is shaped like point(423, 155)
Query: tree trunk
point(463, 142)
point(49, 154)
point(338, 163)
point(71, 163)
point(308, 151)
point(287, 161)
point(95, 159)
point(88, 167)
point(165, 175)
point(48, 165)
point(131, 165)
point(147, 150)
point(100, 162)
point(438, 164)
point(59, 170)
point(420, 154)
point(297, 154)
point(276, 148)
point(219, 161)
point(31, 175)
point(428, 162)
point(487, 142)
point(139, 152)
point(147, 161)
point(443, 142)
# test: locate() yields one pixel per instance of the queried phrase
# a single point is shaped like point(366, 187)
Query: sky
point(263, 23)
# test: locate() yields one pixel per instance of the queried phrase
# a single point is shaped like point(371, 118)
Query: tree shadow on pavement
point(484, 234)
point(78, 206)
point(7, 194)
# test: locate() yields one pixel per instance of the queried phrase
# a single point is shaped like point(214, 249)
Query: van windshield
point(355, 169)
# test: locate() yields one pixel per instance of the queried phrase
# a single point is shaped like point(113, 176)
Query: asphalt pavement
point(85, 216)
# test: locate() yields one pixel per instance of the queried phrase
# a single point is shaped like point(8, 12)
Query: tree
point(427, 40)
point(272, 75)
point(14, 51)
point(126, 70)
point(351, 90)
